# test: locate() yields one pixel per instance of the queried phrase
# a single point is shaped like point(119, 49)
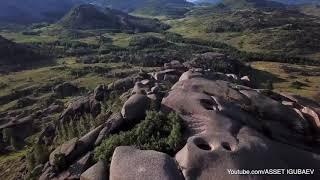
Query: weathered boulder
point(67, 149)
point(47, 135)
point(71, 150)
point(76, 169)
point(174, 65)
point(96, 172)
point(80, 106)
point(135, 107)
point(236, 127)
point(113, 124)
point(122, 84)
point(205, 157)
point(273, 109)
point(140, 88)
point(189, 75)
point(130, 163)
point(87, 141)
point(159, 76)
point(65, 89)
point(100, 92)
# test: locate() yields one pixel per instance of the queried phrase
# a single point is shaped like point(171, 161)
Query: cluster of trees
point(76, 128)
point(158, 132)
point(38, 154)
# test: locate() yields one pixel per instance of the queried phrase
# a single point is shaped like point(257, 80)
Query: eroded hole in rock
point(204, 146)
point(201, 144)
point(207, 104)
point(226, 146)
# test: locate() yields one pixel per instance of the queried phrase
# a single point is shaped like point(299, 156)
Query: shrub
point(158, 132)
point(60, 162)
point(39, 154)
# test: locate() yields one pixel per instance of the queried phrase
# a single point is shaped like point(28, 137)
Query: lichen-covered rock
point(96, 172)
point(129, 163)
point(135, 107)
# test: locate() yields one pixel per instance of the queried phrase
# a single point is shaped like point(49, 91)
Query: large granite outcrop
point(235, 127)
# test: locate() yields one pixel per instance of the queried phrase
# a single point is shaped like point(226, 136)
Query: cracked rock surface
point(236, 127)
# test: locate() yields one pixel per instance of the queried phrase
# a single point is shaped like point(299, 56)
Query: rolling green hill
point(256, 30)
point(92, 17)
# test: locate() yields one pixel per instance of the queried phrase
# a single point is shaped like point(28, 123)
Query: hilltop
point(92, 17)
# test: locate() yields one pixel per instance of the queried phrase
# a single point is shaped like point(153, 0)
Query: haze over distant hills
point(281, 1)
point(26, 11)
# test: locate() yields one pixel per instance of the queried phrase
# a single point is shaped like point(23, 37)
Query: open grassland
point(10, 164)
point(254, 31)
point(18, 37)
point(296, 79)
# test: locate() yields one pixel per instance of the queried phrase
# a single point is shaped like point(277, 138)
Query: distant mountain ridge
point(280, 1)
point(27, 11)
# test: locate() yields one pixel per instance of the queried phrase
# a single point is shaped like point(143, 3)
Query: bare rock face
point(96, 172)
point(235, 127)
point(135, 107)
point(130, 163)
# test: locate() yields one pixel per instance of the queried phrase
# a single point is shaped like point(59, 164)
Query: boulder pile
point(228, 126)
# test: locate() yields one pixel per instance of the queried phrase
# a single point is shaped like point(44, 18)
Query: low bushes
point(158, 132)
